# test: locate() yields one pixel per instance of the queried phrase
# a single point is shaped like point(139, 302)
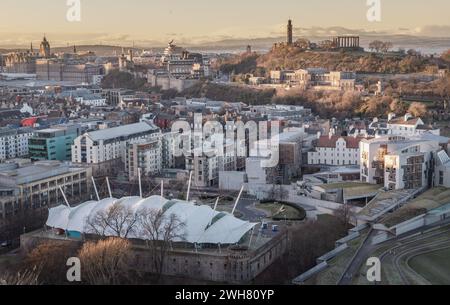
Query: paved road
point(249, 212)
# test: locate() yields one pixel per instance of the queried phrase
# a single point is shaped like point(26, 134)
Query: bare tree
point(376, 45)
point(105, 262)
point(418, 109)
point(27, 277)
point(344, 214)
point(278, 192)
point(48, 261)
point(118, 219)
point(160, 230)
point(380, 46)
point(386, 46)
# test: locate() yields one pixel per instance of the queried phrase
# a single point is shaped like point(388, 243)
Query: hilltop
point(287, 57)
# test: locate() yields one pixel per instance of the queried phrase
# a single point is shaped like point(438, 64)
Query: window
point(441, 178)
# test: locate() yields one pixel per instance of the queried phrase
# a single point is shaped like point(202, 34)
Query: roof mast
point(237, 200)
point(189, 186)
point(95, 189)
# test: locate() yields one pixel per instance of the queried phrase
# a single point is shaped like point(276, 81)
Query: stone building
point(44, 48)
point(315, 77)
point(25, 62)
point(64, 70)
point(335, 151)
point(20, 62)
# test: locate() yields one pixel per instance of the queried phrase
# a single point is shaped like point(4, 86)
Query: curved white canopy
point(202, 224)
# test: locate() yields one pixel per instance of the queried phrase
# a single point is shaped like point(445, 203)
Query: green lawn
point(433, 266)
point(431, 199)
point(274, 210)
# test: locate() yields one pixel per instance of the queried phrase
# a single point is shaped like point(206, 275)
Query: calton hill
point(404, 70)
point(401, 71)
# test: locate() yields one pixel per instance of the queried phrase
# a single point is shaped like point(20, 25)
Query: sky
point(154, 21)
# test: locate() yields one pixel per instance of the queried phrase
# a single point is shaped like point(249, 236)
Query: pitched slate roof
point(330, 142)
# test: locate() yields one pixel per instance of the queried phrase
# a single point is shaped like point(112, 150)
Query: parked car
point(6, 244)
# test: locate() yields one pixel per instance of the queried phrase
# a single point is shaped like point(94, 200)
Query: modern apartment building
point(206, 163)
point(14, 143)
point(144, 157)
point(54, 143)
point(404, 163)
point(106, 150)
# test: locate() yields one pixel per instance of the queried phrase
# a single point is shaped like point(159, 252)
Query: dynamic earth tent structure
point(203, 225)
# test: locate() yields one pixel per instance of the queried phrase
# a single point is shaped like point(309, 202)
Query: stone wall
point(225, 266)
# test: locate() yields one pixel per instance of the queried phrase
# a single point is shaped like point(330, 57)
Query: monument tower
point(289, 32)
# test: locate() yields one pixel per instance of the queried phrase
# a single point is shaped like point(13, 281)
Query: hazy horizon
point(154, 23)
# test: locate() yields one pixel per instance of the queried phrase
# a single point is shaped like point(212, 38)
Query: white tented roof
point(203, 225)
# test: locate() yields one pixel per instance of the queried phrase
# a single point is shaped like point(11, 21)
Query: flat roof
point(38, 171)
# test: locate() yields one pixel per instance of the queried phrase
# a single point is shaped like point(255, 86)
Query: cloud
point(434, 30)
point(232, 33)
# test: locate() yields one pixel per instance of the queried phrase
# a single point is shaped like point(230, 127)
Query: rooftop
point(330, 142)
point(353, 189)
point(409, 121)
point(432, 199)
point(37, 171)
point(203, 225)
point(121, 131)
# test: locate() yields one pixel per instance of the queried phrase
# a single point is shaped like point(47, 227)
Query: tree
point(418, 110)
point(303, 43)
point(118, 79)
point(159, 231)
point(376, 45)
point(48, 260)
point(446, 56)
point(106, 262)
point(378, 106)
point(306, 242)
point(27, 277)
point(380, 46)
point(398, 107)
point(118, 220)
point(386, 46)
point(344, 214)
